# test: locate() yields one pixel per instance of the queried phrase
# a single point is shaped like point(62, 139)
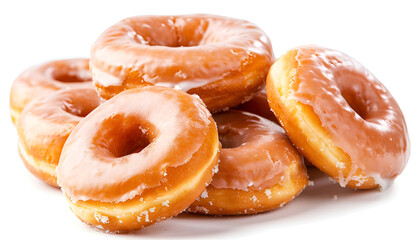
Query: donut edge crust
point(217, 96)
point(14, 114)
point(226, 201)
point(42, 170)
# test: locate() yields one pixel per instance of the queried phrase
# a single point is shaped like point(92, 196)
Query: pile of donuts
point(192, 113)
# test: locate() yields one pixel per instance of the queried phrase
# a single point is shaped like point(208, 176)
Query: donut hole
point(353, 93)
point(122, 136)
point(356, 103)
point(77, 111)
point(72, 76)
point(177, 32)
point(80, 105)
point(230, 138)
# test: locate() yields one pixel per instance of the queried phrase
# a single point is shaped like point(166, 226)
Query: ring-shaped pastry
point(45, 125)
point(140, 158)
point(44, 79)
point(339, 116)
point(223, 60)
point(259, 168)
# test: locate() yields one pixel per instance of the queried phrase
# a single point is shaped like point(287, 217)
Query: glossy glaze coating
point(46, 123)
point(127, 145)
point(255, 152)
point(259, 168)
point(47, 78)
point(193, 53)
point(356, 113)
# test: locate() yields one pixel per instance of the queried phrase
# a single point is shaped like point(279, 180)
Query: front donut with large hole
point(119, 169)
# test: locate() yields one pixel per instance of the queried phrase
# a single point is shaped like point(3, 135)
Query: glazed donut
point(45, 79)
point(339, 116)
point(140, 158)
point(46, 123)
point(223, 60)
point(259, 168)
point(259, 105)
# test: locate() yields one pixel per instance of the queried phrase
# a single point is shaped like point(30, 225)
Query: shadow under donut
point(322, 199)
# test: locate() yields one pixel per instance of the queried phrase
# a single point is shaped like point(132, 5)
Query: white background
point(382, 35)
